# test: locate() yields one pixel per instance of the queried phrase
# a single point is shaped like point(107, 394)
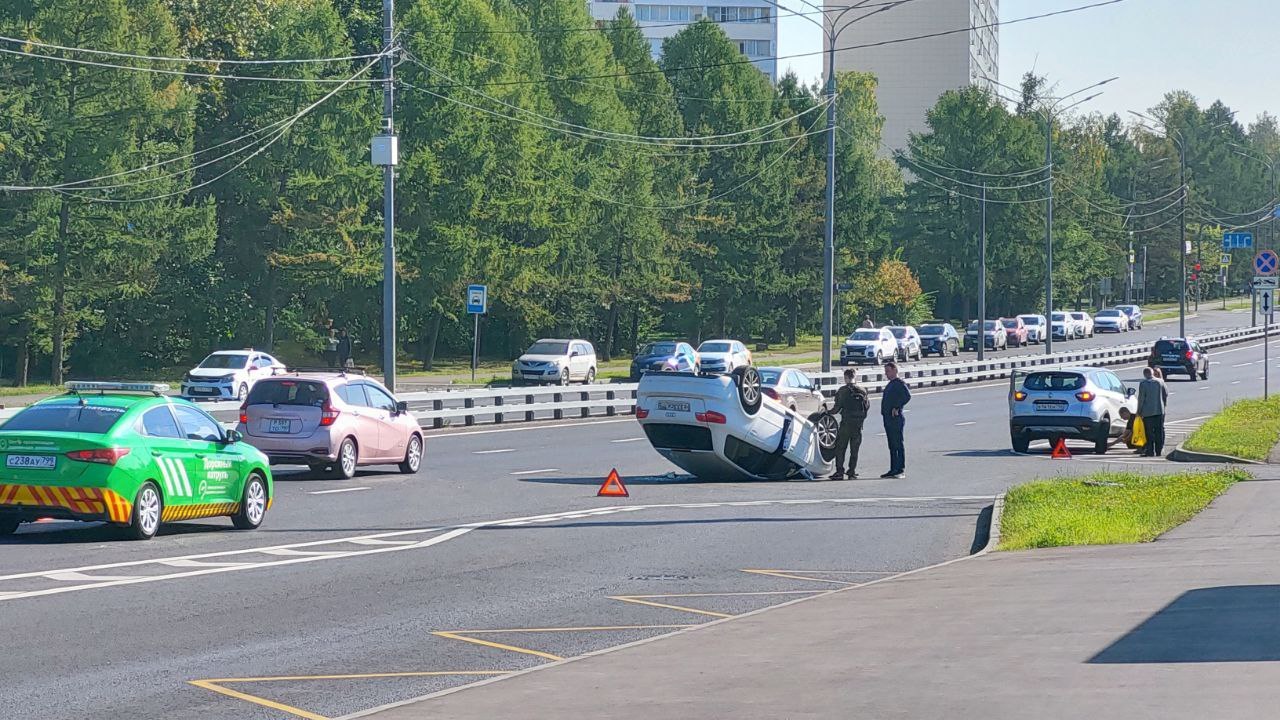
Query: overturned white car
point(722, 427)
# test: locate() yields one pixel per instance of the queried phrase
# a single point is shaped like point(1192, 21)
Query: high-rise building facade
point(912, 75)
point(751, 24)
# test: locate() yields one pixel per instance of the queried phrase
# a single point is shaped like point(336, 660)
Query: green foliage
point(1246, 429)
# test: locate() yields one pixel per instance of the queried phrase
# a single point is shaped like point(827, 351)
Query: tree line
point(157, 208)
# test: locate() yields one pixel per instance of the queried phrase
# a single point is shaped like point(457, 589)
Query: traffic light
point(1197, 268)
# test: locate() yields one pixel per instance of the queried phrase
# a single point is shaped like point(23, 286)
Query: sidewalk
point(1186, 627)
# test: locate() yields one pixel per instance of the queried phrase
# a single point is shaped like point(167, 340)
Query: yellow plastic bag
point(1139, 438)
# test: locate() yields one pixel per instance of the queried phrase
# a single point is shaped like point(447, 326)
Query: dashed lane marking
point(536, 472)
point(492, 452)
point(337, 490)
point(627, 440)
point(965, 424)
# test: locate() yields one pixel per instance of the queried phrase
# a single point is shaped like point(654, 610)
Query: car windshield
point(549, 348)
point(898, 332)
point(65, 416)
point(769, 376)
point(307, 393)
point(1030, 320)
point(1011, 324)
point(1078, 316)
point(990, 325)
point(1054, 381)
point(1059, 317)
point(932, 330)
point(1178, 346)
point(866, 335)
point(663, 348)
point(225, 362)
point(713, 347)
point(1110, 313)
point(1127, 308)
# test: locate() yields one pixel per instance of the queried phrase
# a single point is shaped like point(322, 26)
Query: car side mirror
point(573, 354)
point(402, 407)
point(232, 437)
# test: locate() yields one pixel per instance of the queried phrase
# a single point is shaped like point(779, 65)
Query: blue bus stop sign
point(477, 299)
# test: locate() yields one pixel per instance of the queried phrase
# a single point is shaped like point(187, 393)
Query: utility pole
point(982, 279)
point(1182, 246)
point(829, 231)
point(386, 153)
point(1128, 283)
point(1048, 234)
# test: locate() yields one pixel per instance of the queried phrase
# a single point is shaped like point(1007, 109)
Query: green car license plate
point(31, 462)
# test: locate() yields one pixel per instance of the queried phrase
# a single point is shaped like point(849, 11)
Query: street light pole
point(982, 278)
point(1048, 233)
point(1182, 246)
point(388, 199)
point(829, 231)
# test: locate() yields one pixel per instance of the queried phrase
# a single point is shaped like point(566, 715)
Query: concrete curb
point(993, 532)
point(1181, 454)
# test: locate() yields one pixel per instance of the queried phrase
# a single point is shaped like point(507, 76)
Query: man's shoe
point(837, 476)
point(887, 475)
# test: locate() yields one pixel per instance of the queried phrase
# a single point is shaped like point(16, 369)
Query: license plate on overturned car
point(673, 406)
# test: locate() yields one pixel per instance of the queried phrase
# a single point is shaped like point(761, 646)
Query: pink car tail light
point(328, 415)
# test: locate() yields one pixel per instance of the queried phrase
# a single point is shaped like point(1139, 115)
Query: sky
point(1216, 49)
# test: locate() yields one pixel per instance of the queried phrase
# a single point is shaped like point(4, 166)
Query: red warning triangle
point(1060, 450)
point(613, 486)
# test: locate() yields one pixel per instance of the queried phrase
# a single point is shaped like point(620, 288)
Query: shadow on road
point(1233, 623)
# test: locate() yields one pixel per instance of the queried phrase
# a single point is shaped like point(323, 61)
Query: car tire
point(1104, 437)
point(344, 468)
point(749, 395)
point(242, 393)
point(9, 526)
point(1021, 443)
point(955, 350)
point(827, 428)
point(412, 456)
point(591, 377)
point(148, 508)
point(253, 504)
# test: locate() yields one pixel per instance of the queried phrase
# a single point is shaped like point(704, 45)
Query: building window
point(655, 47)
point(756, 48)
point(663, 13)
point(736, 14)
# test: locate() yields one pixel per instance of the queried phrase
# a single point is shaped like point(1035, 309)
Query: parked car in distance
point(1015, 330)
point(1084, 323)
point(869, 345)
point(1037, 328)
point(993, 335)
point(332, 421)
point(793, 388)
point(1111, 320)
point(228, 374)
point(1063, 326)
point(723, 356)
point(552, 361)
point(664, 356)
point(940, 339)
point(1080, 402)
point(1134, 313)
point(1184, 356)
point(908, 341)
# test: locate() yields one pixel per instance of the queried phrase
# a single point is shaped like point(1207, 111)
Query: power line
point(956, 193)
point(905, 159)
point(161, 58)
point(747, 61)
point(939, 165)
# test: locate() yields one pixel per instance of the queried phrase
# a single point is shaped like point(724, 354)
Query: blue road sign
point(1266, 262)
point(477, 299)
point(1233, 240)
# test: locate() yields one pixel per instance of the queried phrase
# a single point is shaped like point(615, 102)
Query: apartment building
point(751, 24)
point(912, 75)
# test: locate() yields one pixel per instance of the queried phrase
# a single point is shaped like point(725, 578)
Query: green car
point(126, 454)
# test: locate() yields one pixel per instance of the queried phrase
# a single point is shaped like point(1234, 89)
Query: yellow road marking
point(681, 608)
point(571, 629)
point(775, 573)
point(499, 646)
point(357, 676)
point(729, 594)
point(264, 702)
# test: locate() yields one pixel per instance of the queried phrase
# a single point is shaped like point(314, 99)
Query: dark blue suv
point(665, 356)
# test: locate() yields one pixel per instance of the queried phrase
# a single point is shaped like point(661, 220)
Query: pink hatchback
point(331, 421)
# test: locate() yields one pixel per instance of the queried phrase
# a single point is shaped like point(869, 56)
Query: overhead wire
point(199, 61)
point(908, 161)
point(182, 73)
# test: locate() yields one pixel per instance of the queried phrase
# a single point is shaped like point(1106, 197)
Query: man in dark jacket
point(895, 398)
point(344, 349)
point(1153, 396)
point(851, 406)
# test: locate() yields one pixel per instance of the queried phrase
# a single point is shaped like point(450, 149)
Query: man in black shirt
point(896, 396)
point(851, 406)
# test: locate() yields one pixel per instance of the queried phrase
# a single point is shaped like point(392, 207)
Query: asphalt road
point(335, 604)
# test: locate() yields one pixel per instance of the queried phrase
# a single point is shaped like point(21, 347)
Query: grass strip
point(1107, 508)
point(1245, 429)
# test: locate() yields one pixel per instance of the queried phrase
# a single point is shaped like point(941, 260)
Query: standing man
point(331, 348)
point(867, 323)
point(895, 398)
point(851, 404)
point(344, 349)
point(1153, 397)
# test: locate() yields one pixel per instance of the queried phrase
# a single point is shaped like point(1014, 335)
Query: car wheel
point(253, 504)
point(1104, 437)
point(412, 456)
point(564, 376)
point(348, 459)
point(955, 350)
point(1021, 443)
point(9, 526)
point(242, 393)
point(147, 510)
point(827, 429)
point(749, 395)
point(591, 377)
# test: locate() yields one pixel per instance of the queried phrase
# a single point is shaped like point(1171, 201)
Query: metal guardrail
point(437, 409)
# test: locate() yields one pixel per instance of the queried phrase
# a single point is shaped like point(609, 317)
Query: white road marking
point(492, 452)
point(535, 472)
point(74, 576)
point(1235, 382)
point(530, 426)
point(336, 490)
point(962, 404)
point(198, 564)
point(627, 440)
point(1190, 419)
point(1237, 365)
point(376, 541)
point(290, 552)
point(971, 422)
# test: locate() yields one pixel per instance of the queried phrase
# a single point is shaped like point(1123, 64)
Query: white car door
point(581, 363)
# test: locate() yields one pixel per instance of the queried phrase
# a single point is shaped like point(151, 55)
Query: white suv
point(722, 356)
point(1081, 403)
point(557, 362)
point(229, 374)
point(869, 345)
